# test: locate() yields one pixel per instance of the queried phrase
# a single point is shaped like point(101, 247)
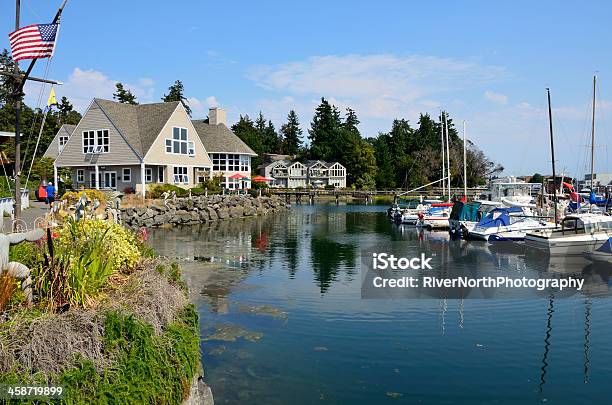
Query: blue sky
point(486, 62)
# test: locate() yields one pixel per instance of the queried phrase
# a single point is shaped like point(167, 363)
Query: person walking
point(50, 194)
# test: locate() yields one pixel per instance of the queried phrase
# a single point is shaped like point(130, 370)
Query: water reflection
point(331, 344)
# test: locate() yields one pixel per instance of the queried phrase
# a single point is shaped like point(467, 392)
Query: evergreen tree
point(324, 130)
point(66, 113)
point(7, 83)
point(271, 139)
point(124, 96)
point(176, 93)
point(291, 133)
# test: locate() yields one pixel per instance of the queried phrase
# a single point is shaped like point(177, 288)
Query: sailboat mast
point(443, 157)
point(447, 158)
point(464, 163)
point(593, 138)
point(552, 153)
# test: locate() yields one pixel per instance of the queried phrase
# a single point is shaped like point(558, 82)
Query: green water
point(283, 321)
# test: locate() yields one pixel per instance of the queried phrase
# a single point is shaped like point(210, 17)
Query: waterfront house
point(316, 173)
point(125, 147)
point(58, 142)
point(230, 156)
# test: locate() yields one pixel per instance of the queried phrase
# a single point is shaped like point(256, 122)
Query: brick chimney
point(216, 115)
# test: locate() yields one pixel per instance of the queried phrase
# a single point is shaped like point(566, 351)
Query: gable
point(53, 148)
point(156, 153)
point(297, 164)
point(120, 152)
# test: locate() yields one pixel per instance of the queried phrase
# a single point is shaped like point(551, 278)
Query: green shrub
point(213, 185)
point(156, 190)
point(330, 187)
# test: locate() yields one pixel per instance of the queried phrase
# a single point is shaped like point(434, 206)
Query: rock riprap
point(200, 209)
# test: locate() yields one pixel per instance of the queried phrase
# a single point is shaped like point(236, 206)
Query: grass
point(146, 368)
point(149, 368)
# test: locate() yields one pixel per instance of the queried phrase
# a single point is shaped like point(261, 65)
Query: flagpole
point(18, 95)
point(17, 210)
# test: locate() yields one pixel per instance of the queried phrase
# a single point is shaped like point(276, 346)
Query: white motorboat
point(436, 217)
point(507, 223)
point(577, 234)
point(410, 216)
point(465, 216)
point(511, 192)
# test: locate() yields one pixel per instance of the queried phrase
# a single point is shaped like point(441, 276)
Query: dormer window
point(179, 145)
point(96, 141)
point(62, 141)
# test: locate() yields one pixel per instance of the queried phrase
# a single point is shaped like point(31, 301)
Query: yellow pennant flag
point(52, 100)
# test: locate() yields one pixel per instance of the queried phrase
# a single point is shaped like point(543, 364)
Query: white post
point(55, 183)
point(97, 178)
point(464, 162)
point(142, 179)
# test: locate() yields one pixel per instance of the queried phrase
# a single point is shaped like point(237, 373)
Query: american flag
point(34, 41)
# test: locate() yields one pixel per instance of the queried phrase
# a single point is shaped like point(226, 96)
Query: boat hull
point(571, 246)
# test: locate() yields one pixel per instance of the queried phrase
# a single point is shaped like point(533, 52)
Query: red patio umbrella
point(260, 179)
point(235, 176)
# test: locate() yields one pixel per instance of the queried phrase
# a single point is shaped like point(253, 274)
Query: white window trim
point(148, 175)
point(81, 175)
point(60, 146)
point(95, 147)
point(175, 176)
point(190, 144)
point(123, 171)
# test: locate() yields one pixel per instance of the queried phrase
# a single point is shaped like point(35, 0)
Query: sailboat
point(580, 232)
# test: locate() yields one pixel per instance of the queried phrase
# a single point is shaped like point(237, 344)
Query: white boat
point(511, 192)
point(465, 216)
point(577, 234)
point(507, 223)
point(436, 217)
point(410, 216)
point(603, 254)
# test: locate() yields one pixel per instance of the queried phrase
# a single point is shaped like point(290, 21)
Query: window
point(180, 175)
point(127, 175)
point(63, 140)
point(201, 174)
point(96, 141)
point(179, 144)
point(160, 174)
point(233, 162)
point(80, 176)
point(245, 163)
point(148, 175)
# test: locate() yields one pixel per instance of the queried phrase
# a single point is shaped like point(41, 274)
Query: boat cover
point(498, 217)
point(465, 211)
point(606, 247)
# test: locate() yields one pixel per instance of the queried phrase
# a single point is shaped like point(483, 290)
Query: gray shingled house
point(125, 147)
point(122, 146)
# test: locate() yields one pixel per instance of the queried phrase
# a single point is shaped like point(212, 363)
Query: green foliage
point(27, 253)
point(176, 92)
point(536, 178)
point(156, 190)
point(213, 185)
point(291, 133)
point(149, 368)
point(323, 131)
point(124, 96)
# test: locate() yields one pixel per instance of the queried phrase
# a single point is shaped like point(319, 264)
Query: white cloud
point(496, 97)
point(83, 85)
point(199, 107)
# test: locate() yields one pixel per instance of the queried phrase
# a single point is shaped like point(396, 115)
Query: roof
point(140, 124)
point(68, 128)
point(220, 139)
